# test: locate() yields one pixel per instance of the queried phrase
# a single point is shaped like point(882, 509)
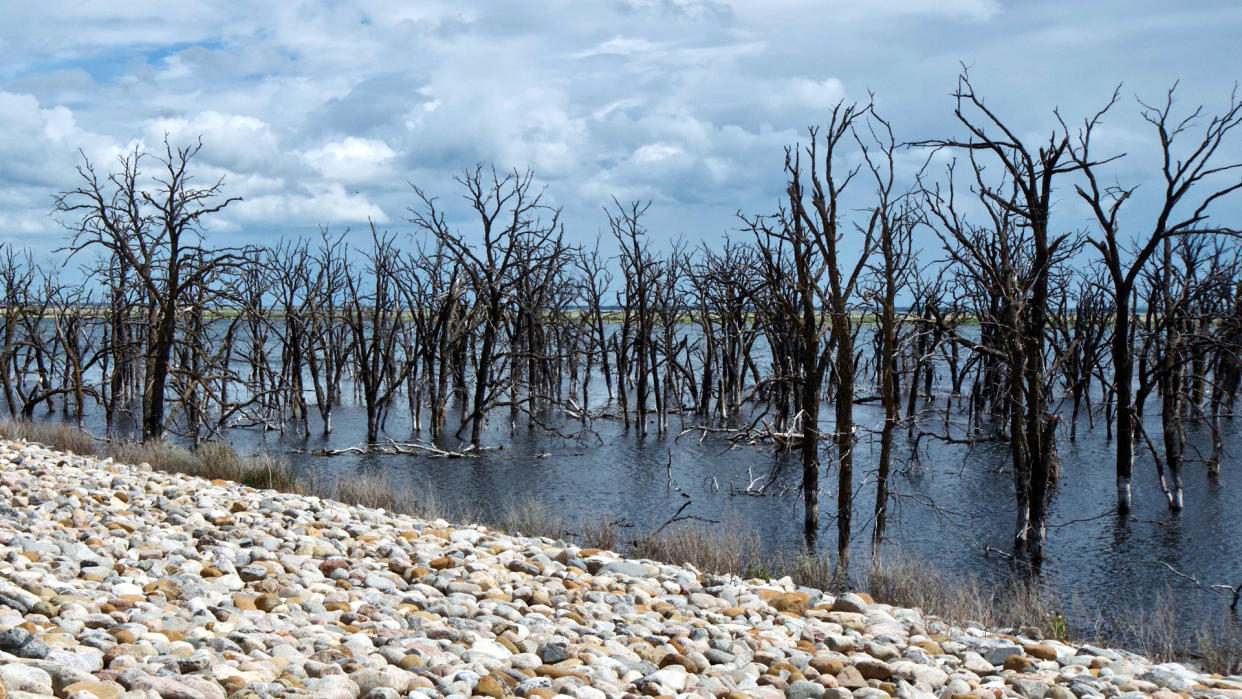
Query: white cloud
point(314, 204)
point(234, 141)
point(318, 112)
point(353, 160)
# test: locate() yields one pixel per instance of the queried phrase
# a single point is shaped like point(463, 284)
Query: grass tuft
point(55, 435)
point(725, 550)
point(1014, 603)
point(367, 491)
point(532, 518)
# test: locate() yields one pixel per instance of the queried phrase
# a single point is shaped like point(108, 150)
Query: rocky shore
point(116, 581)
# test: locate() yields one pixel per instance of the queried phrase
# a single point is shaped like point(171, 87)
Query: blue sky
point(321, 113)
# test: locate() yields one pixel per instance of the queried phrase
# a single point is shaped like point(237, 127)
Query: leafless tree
point(153, 229)
point(1194, 179)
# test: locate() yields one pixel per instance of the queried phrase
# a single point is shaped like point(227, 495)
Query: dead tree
point(890, 225)
point(642, 273)
point(1194, 179)
point(374, 313)
point(508, 209)
point(811, 228)
point(329, 343)
point(153, 226)
point(1014, 256)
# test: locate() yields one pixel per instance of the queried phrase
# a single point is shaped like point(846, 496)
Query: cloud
point(234, 141)
point(322, 203)
point(318, 112)
point(353, 160)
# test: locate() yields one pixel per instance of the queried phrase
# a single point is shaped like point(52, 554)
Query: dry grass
point(604, 533)
point(1218, 648)
point(212, 460)
point(160, 456)
point(55, 435)
point(725, 550)
point(532, 518)
point(366, 491)
point(1154, 629)
point(265, 471)
point(1014, 603)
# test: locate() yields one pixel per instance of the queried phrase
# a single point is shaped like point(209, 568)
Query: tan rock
point(102, 690)
point(1017, 663)
point(793, 603)
point(827, 665)
point(1042, 651)
point(489, 686)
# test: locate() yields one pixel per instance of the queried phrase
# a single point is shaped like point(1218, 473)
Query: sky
point(321, 114)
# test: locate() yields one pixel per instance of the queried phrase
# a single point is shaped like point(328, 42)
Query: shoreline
point(117, 581)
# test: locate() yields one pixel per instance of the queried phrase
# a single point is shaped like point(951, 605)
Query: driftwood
point(394, 447)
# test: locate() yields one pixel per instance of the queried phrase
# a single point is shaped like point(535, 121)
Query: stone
point(15, 677)
point(998, 654)
point(850, 603)
point(489, 686)
point(21, 643)
point(804, 689)
point(872, 668)
point(101, 690)
point(794, 603)
point(1016, 663)
point(1041, 651)
point(1031, 689)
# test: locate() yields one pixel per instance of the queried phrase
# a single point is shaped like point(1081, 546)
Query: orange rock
point(1041, 651)
point(793, 603)
point(1017, 663)
point(827, 665)
point(489, 686)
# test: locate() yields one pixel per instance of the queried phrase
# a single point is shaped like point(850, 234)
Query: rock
point(632, 569)
point(552, 653)
point(1031, 689)
point(168, 688)
point(15, 677)
point(827, 665)
point(489, 686)
point(19, 642)
point(803, 689)
point(1041, 651)
point(100, 690)
point(998, 654)
point(1016, 663)
point(333, 687)
point(849, 602)
point(790, 602)
point(872, 668)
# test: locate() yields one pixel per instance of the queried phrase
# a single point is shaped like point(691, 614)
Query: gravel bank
point(116, 581)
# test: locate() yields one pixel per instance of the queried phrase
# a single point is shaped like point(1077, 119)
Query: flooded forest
point(987, 292)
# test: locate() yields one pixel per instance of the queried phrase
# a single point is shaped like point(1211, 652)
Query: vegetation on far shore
point(1030, 606)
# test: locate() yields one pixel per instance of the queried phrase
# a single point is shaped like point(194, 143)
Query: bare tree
point(508, 209)
point(1194, 179)
point(1014, 257)
point(153, 228)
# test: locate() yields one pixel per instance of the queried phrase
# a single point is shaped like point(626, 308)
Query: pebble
point(120, 582)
